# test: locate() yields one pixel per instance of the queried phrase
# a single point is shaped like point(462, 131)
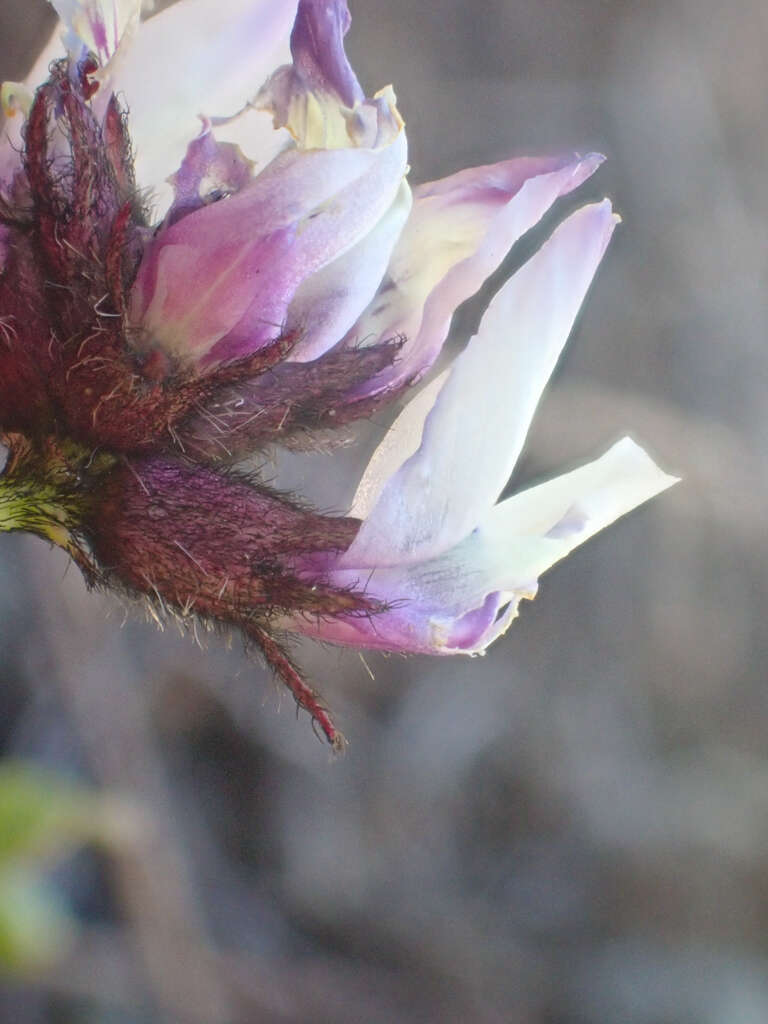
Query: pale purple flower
point(289, 282)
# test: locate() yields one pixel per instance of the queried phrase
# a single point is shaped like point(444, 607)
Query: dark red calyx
point(206, 545)
point(289, 405)
point(215, 544)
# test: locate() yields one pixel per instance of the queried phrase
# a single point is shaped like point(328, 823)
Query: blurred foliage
point(36, 925)
point(44, 817)
point(43, 813)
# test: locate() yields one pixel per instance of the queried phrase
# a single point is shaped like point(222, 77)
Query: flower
point(287, 283)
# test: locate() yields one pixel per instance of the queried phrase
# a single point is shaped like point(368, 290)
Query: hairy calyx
point(121, 452)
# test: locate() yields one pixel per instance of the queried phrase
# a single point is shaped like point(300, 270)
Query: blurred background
point(571, 830)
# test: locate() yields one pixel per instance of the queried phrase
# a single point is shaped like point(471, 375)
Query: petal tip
point(591, 161)
point(602, 214)
point(628, 449)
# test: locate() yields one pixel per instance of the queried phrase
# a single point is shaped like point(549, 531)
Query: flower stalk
point(51, 489)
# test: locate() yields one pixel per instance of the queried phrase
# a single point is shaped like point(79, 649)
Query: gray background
point(573, 829)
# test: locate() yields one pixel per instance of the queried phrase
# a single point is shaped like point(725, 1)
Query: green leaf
point(35, 926)
point(42, 814)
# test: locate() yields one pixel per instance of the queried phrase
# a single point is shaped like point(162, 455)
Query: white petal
point(474, 433)
point(461, 601)
point(526, 535)
point(400, 442)
point(197, 57)
point(252, 130)
point(97, 25)
point(573, 507)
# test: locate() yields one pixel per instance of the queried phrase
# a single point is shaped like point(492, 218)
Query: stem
point(46, 489)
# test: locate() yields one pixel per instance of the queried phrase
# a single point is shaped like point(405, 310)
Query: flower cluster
point(288, 283)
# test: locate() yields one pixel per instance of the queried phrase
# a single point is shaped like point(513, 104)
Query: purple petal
point(210, 170)
point(217, 284)
point(317, 47)
point(424, 617)
point(329, 302)
point(318, 98)
point(460, 230)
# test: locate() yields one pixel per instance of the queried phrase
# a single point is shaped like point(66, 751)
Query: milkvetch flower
point(208, 245)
